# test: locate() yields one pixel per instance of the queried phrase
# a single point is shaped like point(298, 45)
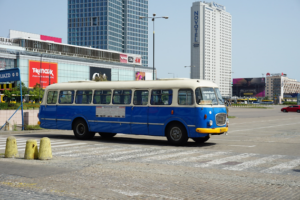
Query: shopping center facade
point(46, 61)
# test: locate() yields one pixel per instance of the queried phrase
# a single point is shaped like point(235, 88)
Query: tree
point(37, 92)
point(24, 89)
point(100, 77)
point(266, 98)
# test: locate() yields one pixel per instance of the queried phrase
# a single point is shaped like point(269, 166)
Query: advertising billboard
point(99, 72)
point(140, 76)
point(44, 73)
point(130, 59)
point(251, 87)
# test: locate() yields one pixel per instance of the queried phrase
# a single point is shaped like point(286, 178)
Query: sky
point(265, 34)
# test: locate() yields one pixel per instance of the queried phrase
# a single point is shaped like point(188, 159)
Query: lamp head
point(166, 17)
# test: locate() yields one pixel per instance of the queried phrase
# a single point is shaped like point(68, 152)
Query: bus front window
point(206, 96)
point(219, 96)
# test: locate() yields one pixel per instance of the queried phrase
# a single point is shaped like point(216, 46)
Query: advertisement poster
point(251, 87)
point(44, 73)
point(139, 76)
point(98, 72)
point(123, 58)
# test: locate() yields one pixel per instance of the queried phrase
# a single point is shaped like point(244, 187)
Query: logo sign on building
point(130, 59)
point(42, 73)
point(123, 58)
point(196, 28)
point(9, 75)
point(99, 71)
point(218, 6)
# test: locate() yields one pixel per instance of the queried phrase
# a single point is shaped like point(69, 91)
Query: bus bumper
point(212, 130)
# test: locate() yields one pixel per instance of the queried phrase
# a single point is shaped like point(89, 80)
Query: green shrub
point(289, 103)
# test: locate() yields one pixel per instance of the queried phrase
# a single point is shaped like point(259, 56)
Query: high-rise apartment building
point(211, 45)
point(110, 24)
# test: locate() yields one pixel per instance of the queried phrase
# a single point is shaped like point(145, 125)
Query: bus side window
point(52, 97)
point(161, 97)
point(83, 97)
point(140, 97)
point(185, 97)
point(102, 97)
point(122, 97)
point(66, 97)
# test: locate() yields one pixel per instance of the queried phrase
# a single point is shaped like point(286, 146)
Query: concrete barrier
point(11, 149)
point(31, 151)
point(45, 152)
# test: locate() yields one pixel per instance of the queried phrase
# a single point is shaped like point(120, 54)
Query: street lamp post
point(190, 69)
point(153, 19)
point(49, 45)
point(173, 74)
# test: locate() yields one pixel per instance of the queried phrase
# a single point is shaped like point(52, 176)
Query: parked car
point(291, 109)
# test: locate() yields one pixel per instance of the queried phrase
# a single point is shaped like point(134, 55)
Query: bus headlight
point(210, 122)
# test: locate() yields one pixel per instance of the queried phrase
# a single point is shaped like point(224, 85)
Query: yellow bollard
point(45, 152)
point(11, 150)
point(31, 151)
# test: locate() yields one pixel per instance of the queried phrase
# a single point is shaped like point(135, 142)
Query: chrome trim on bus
point(156, 124)
point(47, 119)
point(67, 120)
point(191, 125)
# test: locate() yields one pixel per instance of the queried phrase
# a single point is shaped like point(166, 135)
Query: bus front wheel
point(107, 135)
point(176, 134)
point(201, 140)
point(81, 130)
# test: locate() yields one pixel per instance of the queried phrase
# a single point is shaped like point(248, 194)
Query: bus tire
point(176, 134)
point(81, 130)
point(201, 140)
point(107, 135)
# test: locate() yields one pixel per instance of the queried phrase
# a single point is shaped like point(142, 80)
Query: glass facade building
point(110, 24)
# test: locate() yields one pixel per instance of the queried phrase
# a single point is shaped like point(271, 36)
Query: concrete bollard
point(45, 152)
point(31, 151)
point(11, 150)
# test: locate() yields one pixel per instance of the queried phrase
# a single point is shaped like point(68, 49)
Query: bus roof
point(158, 84)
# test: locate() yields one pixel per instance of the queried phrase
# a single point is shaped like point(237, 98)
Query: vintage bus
point(176, 109)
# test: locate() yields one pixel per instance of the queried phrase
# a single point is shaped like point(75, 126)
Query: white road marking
point(261, 121)
point(115, 154)
point(98, 150)
point(283, 167)
point(224, 160)
point(131, 194)
point(262, 127)
point(140, 155)
point(162, 157)
point(253, 163)
point(242, 146)
point(192, 159)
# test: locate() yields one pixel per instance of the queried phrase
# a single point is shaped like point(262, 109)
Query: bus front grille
point(221, 119)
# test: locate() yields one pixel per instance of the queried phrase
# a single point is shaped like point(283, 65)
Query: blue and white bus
point(177, 109)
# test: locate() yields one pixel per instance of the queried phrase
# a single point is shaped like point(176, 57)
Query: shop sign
point(42, 73)
point(9, 75)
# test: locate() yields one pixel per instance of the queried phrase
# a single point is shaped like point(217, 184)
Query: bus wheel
point(81, 130)
point(201, 139)
point(176, 134)
point(107, 135)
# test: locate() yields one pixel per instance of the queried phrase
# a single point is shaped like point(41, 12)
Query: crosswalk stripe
point(253, 163)
point(162, 157)
point(192, 159)
point(139, 155)
point(99, 150)
point(226, 159)
point(283, 167)
point(115, 153)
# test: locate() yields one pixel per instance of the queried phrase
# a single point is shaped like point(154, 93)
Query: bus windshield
point(206, 96)
point(219, 96)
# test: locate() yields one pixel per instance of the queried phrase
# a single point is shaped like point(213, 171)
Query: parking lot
point(258, 158)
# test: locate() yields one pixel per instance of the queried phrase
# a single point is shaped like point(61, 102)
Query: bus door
point(139, 113)
point(47, 113)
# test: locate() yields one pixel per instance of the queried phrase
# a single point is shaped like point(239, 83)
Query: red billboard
point(44, 74)
point(50, 38)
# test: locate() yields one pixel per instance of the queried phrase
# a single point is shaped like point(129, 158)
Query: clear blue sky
point(265, 34)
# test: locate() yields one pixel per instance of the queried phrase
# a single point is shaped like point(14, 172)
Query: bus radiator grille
point(221, 119)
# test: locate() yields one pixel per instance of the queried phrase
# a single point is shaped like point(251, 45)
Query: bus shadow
point(121, 140)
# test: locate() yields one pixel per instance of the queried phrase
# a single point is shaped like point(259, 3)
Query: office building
point(110, 24)
point(211, 57)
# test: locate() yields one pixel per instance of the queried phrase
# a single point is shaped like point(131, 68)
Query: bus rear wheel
point(176, 134)
point(201, 140)
point(107, 135)
point(81, 130)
